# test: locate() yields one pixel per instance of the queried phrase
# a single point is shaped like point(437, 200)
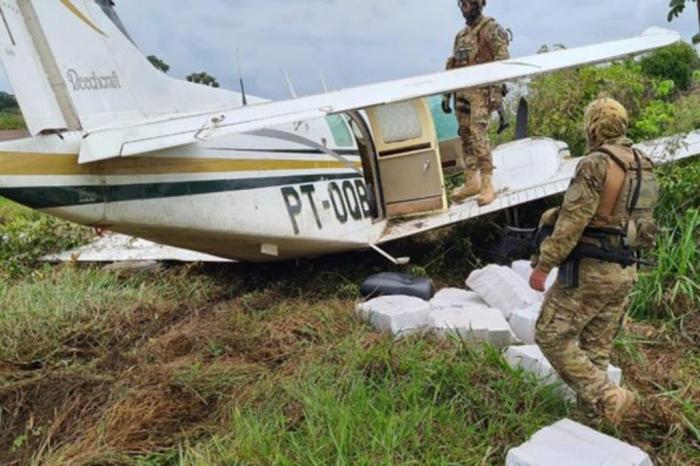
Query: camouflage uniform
point(578, 325)
point(483, 41)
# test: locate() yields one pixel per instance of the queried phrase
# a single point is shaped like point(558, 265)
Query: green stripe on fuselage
point(48, 197)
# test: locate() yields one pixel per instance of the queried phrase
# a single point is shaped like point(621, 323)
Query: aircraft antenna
point(292, 91)
point(240, 78)
point(324, 83)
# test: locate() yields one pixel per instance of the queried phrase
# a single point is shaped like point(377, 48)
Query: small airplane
point(117, 145)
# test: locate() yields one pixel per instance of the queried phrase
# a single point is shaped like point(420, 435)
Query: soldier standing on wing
point(607, 212)
point(482, 41)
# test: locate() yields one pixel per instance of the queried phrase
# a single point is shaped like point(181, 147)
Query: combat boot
point(618, 404)
point(472, 187)
point(488, 195)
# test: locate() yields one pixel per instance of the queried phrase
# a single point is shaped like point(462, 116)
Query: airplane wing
point(525, 182)
point(182, 129)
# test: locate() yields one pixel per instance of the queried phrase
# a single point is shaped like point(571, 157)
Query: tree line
point(202, 77)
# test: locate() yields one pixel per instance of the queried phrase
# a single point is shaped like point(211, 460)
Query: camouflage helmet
point(605, 119)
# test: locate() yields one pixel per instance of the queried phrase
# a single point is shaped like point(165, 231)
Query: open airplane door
point(409, 159)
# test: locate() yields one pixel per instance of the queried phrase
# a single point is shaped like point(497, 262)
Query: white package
point(455, 297)
point(523, 322)
point(531, 359)
point(568, 443)
point(522, 268)
point(502, 288)
point(395, 314)
point(472, 323)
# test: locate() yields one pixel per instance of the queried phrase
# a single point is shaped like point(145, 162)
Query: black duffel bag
point(392, 284)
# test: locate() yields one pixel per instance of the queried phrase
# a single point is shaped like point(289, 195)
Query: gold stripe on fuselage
point(79, 14)
point(26, 164)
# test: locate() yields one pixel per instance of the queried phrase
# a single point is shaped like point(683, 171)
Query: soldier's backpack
point(634, 209)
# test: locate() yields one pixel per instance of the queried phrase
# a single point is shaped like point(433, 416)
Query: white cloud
point(358, 41)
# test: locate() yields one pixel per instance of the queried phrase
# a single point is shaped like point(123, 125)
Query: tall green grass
point(671, 288)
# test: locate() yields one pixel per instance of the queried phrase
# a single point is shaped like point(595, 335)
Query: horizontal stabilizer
point(180, 129)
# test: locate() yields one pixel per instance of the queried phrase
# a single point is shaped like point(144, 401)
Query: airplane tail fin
point(72, 67)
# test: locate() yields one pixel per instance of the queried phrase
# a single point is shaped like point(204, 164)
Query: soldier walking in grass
point(483, 40)
point(607, 213)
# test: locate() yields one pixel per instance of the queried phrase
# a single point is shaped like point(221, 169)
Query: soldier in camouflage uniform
point(482, 41)
point(578, 324)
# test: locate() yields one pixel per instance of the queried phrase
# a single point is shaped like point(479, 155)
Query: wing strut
point(389, 257)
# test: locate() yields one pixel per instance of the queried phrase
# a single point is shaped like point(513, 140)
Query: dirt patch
point(46, 409)
point(160, 379)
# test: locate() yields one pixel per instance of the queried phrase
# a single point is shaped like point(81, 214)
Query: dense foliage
point(651, 89)
point(8, 102)
point(676, 63)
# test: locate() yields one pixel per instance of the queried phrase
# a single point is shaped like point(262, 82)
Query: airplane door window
point(340, 131)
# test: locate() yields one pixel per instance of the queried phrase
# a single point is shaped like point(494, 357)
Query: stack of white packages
point(503, 289)
point(399, 315)
point(472, 315)
point(450, 312)
point(568, 443)
point(531, 359)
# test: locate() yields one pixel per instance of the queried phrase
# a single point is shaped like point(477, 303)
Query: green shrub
point(26, 235)
point(679, 184)
point(676, 62)
point(559, 100)
point(686, 115)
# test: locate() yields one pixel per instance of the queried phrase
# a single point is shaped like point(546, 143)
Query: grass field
point(267, 364)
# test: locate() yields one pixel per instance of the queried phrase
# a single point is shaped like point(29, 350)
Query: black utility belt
point(569, 270)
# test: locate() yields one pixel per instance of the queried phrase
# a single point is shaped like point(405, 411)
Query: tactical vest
point(483, 54)
point(629, 197)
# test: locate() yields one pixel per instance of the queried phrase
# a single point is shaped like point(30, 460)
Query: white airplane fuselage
point(245, 197)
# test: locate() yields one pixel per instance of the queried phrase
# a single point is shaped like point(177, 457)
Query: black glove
point(446, 107)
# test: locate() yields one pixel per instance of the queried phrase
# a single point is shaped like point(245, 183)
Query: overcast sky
point(355, 42)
